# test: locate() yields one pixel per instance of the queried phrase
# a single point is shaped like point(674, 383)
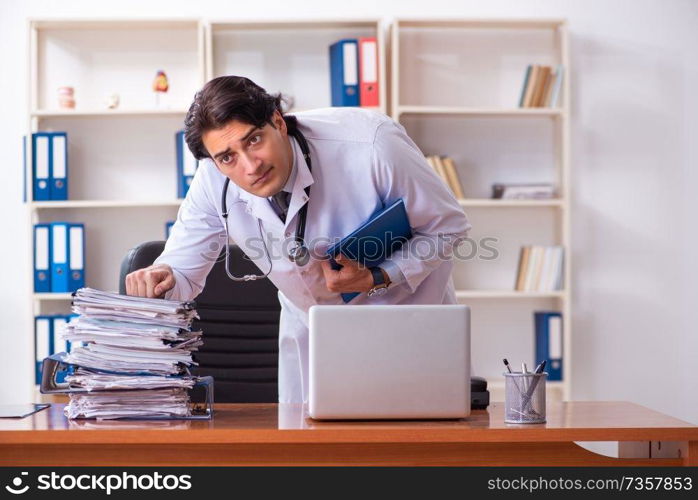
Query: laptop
point(389, 362)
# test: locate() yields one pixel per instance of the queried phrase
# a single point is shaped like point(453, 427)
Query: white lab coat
point(361, 160)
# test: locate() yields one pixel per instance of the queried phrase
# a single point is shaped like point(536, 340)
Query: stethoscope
point(299, 253)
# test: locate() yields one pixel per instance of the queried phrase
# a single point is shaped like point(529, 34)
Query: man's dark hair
point(228, 98)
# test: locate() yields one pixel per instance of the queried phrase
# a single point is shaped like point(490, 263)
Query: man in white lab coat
point(361, 161)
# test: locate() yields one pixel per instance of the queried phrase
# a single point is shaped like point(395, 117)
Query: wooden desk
point(270, 434)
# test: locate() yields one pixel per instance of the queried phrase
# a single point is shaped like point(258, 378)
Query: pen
point(524, 370)
point(506, 363)
point(531, 390)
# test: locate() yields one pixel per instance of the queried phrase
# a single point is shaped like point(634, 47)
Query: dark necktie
point(280, 203)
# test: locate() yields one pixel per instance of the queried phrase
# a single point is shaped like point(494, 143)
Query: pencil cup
point(524, 397)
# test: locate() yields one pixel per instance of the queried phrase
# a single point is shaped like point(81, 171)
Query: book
point(557, 86)
point(527, 77)
point(445, 168)
point(452, 174)
point(540, 269)
point(533, 78)
point(385, 231)
point(513, 191)
point(537, 99)
point(547, 87)
point(524, 256)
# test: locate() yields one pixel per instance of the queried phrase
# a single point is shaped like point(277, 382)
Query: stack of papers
point(134, 358)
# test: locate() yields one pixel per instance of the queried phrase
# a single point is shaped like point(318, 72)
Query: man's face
point(258, 160)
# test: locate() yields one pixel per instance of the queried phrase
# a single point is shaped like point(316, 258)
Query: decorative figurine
point(112, 100)
point(160, 86)
point(65, 98)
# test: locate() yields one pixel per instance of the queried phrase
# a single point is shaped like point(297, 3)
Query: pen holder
point(524, 397)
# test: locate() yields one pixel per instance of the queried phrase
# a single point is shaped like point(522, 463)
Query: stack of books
point(135, 356)
point(446, 169)
point(540, 269)
point(513, 191)
point(542, 87)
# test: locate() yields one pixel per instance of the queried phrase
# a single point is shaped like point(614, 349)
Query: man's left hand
point(353, 277)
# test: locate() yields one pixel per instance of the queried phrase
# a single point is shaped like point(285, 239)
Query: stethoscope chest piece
point(299, 254)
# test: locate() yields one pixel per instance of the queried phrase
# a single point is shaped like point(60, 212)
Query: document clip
point(201, 395)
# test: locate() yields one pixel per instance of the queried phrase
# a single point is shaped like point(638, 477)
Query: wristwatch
point(381, 282)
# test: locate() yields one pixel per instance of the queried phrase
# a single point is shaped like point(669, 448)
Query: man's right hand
point(150, 282)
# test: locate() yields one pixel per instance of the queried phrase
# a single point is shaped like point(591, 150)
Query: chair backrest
point(240, 321)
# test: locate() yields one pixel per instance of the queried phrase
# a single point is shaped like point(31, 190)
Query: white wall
point(634, 129)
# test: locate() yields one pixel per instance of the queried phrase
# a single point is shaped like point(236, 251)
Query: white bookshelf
point(291, 57)
point(490, 203)
point(48, 205)
point(81, 113)
point(455, 86)
point(473, 111)
point(452, 84)
point(121, 162)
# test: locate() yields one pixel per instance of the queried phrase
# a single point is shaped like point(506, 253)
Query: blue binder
point(60, 252)
point(186, 165)
point(59, 166)
point(67, 256)
point(43, 342)
point(375, 240)
point(42, 258)
point(548, 326)
point(41, 166)
point(344, 72)
point(24, 170)
point(76, 256)
point(168, 228)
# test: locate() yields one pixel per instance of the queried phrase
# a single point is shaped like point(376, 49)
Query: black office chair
point(240, 322)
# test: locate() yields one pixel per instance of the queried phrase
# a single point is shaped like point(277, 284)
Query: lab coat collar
point(261, 208)
point(304, 178)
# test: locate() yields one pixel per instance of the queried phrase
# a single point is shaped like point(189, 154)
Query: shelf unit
point(59, 113)
point(261, 51)
point(47, 205)
point(430, 86)
point(134, 172)
point(455, 86)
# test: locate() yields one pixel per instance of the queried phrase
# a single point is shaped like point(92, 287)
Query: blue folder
point(49, 166)
point(43, 342)
point(375, 240)
point(67, 256)
point(59, 166)
point(42, 258)
point(344, 72)
point(548, 326)
point(76, 264)
point(186, 165)
point(60, 254)
point(41, 166)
